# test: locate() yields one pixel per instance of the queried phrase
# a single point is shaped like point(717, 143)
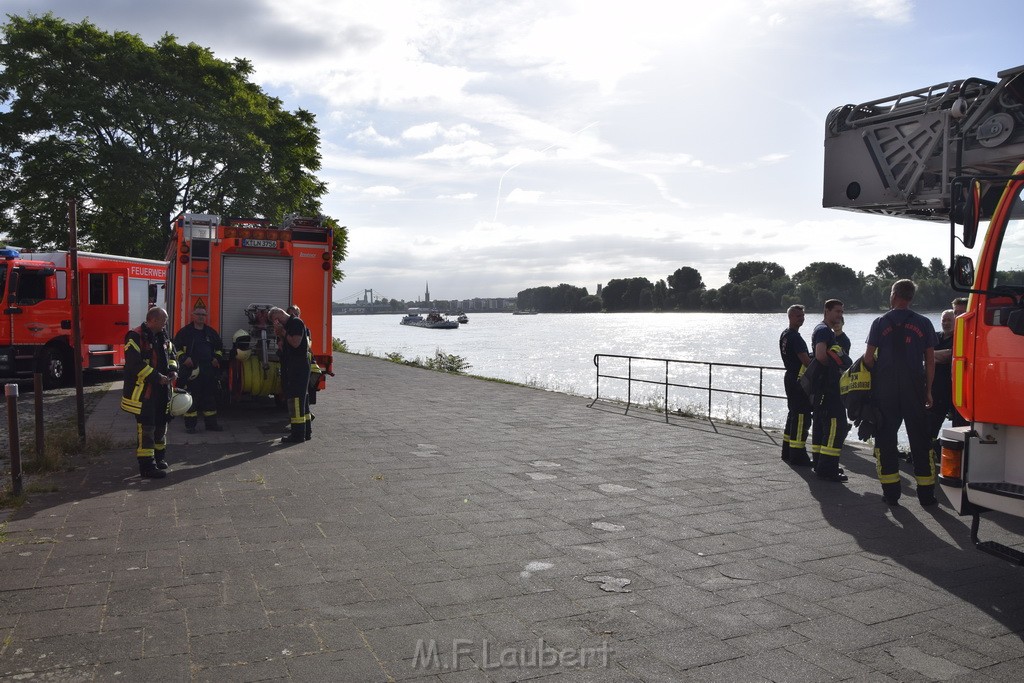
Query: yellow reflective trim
point(891, 478)
point(958, 382)
point(131, 344)
point(130, 406)
point(145, 453)
point(926, 481)
point(958, 337)
point(146, 371)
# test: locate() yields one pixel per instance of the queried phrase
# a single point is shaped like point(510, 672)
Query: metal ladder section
point(201, 230)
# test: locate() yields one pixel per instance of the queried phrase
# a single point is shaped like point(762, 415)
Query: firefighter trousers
point(830, 428)
point(900, 397)
point(151, 429)
point(798, 423)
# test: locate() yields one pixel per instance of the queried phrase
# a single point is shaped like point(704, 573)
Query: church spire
point(426, 297)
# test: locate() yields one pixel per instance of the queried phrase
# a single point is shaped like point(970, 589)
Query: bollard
point(37, 393)
point(11, 390)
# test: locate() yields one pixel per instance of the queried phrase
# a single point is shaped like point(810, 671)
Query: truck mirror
point(967, 196)
point(962, 272)
point(1015, 322)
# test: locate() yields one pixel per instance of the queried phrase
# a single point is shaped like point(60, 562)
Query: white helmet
point(243, 343)
point(181, 402)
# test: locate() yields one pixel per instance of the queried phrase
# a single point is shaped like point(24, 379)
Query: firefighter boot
point(210, 422)
point(298, 434)
point(891, 493)
point(190, 423)
point(926, 495)
point(309, 428)
point(148, 468)
point(160, 459)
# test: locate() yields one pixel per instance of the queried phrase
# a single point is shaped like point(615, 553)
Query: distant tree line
point(754, 287)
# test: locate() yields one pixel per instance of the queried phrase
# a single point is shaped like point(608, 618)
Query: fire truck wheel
point(55, 364)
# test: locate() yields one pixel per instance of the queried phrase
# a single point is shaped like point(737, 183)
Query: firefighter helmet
point(181, 402)
point(242, 342)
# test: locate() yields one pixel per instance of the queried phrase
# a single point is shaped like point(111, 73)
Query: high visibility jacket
point(146, 357)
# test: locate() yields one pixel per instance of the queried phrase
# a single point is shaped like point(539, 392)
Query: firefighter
point(830, 426)
point(905, 344)
point(314, 368)
point(798, 422)
point(150, 369)
point(200, 352)
point(293, 352)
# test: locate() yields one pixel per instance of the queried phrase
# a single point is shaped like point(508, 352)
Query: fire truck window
point(62, 284)
point(3, 282)
point(1009, 262)
point(31, 287)
point(99, 288)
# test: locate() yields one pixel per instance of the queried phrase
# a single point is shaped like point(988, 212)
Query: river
point(556, 351)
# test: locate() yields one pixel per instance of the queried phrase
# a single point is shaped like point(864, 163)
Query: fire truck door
point(104, 299)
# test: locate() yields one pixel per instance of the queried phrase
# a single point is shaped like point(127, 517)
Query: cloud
point(520, 196)
point(369, 135)
point(382, 191)
point(461, 196)
point(462, 150)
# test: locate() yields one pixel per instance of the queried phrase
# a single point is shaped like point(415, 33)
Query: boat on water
point(433, 321)
point(527, 312)
point(463, 318)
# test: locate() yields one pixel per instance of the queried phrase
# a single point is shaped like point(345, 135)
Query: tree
point(899, 266)
point(138, 133)
point(745, 270)
point(827, 280)
point(660, 295)
point(686, 285)
point(937, 269)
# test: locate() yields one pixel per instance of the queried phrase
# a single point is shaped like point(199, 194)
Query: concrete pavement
point(446, 528)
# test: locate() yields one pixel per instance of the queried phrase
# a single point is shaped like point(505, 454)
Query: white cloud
point(382, 191)
point(463, 150)
point(461, 196)
point(520, 196)
point(371, 136)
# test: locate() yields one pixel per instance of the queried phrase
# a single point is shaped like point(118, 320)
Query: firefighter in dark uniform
point(149, 371)
point(830, 426)
point(293, 351)
point(902, 375)
point(200, 353)
point(793, 349)
point(314, 368)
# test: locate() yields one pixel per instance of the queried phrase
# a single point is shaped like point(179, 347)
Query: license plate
point(261, 244)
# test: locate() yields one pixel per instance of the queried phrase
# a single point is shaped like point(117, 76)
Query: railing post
point(666, 390)
point(760, 398)
point(709, 390)
point(629, 382)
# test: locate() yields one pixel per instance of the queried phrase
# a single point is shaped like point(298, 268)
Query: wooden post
point(76, 320)
point(11, 390)
point(37, 393)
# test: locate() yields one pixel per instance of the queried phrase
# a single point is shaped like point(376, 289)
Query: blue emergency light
point(9, 253)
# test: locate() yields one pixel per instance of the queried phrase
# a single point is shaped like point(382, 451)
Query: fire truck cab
point(35, 310)
point(238, 268)
point(952, 152)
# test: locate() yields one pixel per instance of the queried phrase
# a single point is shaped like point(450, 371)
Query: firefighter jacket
point(147, 356)
point(201, 346)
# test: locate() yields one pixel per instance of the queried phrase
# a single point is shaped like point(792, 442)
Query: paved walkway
point(446, 528)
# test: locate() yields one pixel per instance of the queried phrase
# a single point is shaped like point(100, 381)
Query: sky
point(486, 147)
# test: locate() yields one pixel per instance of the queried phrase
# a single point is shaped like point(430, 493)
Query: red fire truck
point(952, 152)
point(238, 268)
point(35, 326)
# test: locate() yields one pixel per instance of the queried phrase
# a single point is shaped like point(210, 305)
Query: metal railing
point(709, 386)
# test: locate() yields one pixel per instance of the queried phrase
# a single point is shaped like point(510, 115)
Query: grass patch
point(9, 501)
point(60, 444)
point(339, 345)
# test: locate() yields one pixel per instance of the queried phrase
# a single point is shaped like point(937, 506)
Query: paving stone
point(330, 560)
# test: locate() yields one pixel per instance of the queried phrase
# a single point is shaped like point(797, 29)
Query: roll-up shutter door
point(251, 280)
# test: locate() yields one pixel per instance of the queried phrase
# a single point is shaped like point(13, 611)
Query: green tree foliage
point(899, 266)
point(624, 295)
point(823, 280)
point(138, 133)
point(746, 270)
point(685, 288)
point(561, 299)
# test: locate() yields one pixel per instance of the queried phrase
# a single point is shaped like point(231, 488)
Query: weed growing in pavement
point(61, 443)
point(339, 345)
point(3, 532)
point(10, 501)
